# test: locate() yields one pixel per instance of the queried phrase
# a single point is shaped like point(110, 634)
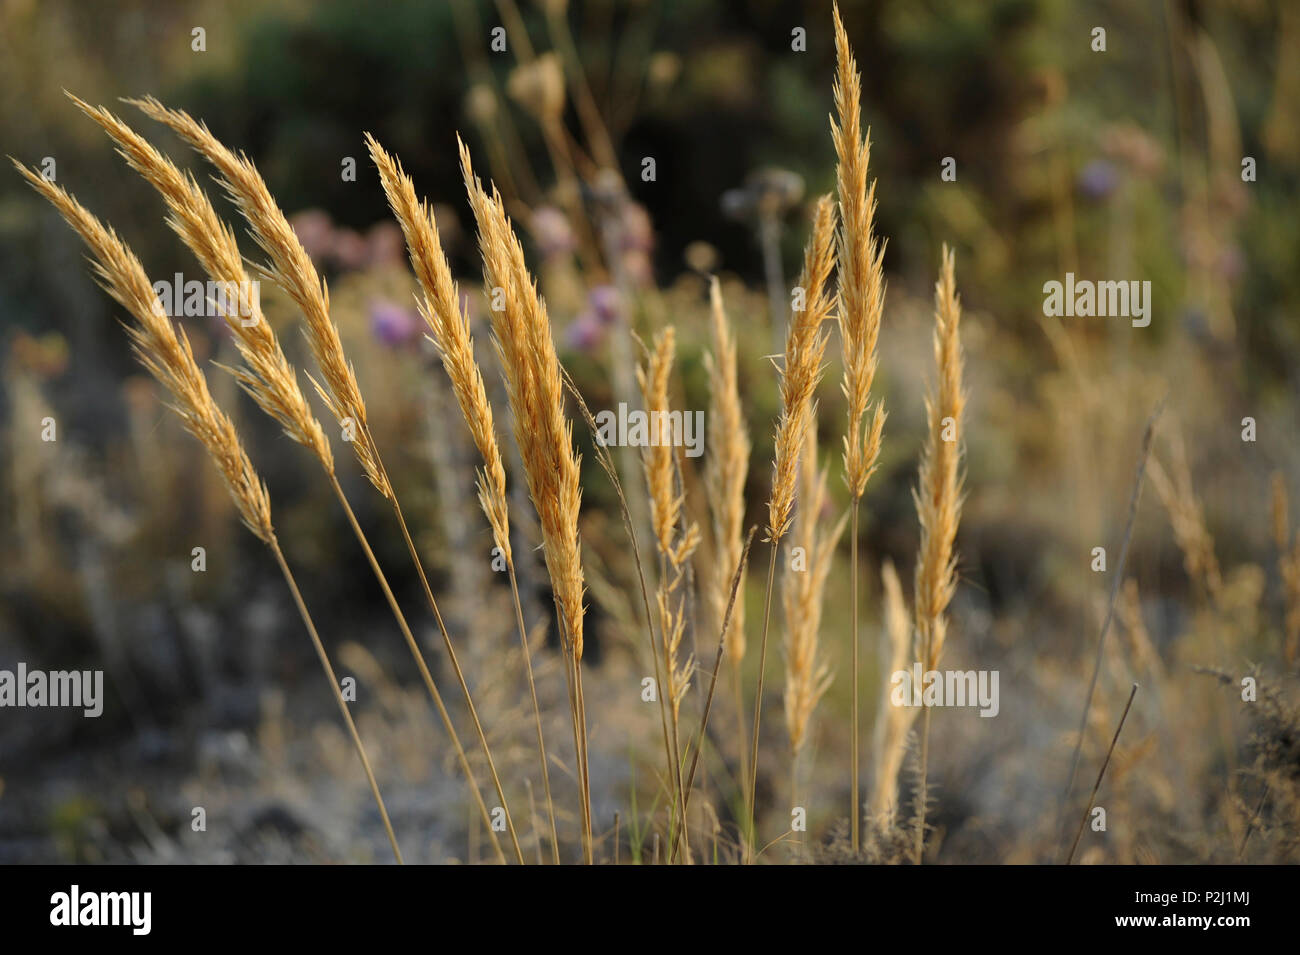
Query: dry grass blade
point(861, 304)
point(939, 495)
point(166, 353)
point(727, 468)
point(523, 340)
point(449, 329)
point(1101, 774)
point(292, 269)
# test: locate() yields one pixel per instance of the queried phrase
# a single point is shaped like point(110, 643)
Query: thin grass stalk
point(1100, 774)
point(751, 789)
point(607, 464)
point(418, 656)
point(338, 694)
point(717, 665)
point(1148, 434)
point(460, 677)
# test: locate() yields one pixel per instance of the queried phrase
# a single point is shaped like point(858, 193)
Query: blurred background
point(1122, 164)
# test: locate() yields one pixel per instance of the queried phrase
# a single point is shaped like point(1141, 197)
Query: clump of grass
point(166, 354)
point(939, 500)
point(291, 268)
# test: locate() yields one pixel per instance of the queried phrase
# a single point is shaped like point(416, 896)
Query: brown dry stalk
point(804, 350)
point(166, 354)
point(892, 722)
point(291, 268)
point(450, 332)
point(861, 304)
point(1101, 773)
point(534, 385)
point(939, 499)
point(807, 675)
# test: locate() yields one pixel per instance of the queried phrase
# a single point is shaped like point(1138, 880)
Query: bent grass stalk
point(165, 352)
point(291, 268)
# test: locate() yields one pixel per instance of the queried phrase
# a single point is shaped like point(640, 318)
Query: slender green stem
point(338, 694)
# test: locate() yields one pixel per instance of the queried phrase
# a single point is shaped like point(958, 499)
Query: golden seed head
point(166, 353)
point(726, 471)
point(291, 268)
point(804, 350)
point(939, 495)
point(267, 375)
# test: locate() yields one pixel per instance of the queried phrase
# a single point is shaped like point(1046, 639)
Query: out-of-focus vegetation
point(1125, 164)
